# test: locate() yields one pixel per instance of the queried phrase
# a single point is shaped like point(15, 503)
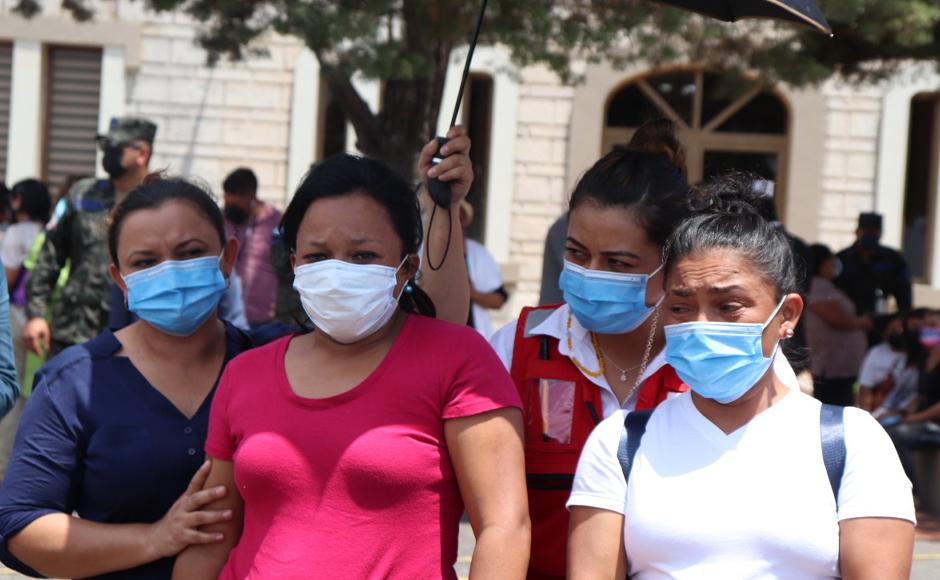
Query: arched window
point(725, 123)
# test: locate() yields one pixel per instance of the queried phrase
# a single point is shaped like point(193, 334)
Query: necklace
point(601, 369)
point(623, 372)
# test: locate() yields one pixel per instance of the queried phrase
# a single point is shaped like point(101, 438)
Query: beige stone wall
point(212, 120)
point(853, 116)
point(539, 191)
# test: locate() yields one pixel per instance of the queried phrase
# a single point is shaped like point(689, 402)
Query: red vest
point(538, 368)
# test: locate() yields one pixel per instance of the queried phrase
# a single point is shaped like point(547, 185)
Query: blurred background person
point(836, 336)
point(553, 262)
point(871, 273)
point(486, 281)
point(82, 308)
point(33, 205)
point(253, 222)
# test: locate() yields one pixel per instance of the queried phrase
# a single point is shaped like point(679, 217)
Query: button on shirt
point(99, 440)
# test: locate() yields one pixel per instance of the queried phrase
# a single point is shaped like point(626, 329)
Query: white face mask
point(349, 302)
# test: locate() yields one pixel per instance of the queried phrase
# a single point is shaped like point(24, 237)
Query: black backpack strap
point(634, 426)
point(832, 438)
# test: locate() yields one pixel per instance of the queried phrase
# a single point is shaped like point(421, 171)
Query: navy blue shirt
point(99, 440)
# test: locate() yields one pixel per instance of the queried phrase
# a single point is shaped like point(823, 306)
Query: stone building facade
point(834, 151)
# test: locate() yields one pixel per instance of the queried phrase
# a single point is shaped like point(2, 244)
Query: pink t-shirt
point(359, 485)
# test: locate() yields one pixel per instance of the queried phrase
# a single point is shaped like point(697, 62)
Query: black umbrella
point(802, 11)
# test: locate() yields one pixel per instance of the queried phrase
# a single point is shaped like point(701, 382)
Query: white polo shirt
point(753, 504)
point(555, 326)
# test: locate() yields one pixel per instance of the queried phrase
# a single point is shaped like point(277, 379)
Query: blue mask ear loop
point(650, 277)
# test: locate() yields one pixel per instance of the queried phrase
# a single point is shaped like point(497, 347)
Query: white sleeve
point(502, 342)
point(484, 271)
point(10, 252)
point(599, 481)
point(870, 375)
point(874, 484)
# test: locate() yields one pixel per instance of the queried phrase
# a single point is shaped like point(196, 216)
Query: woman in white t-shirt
point(728, 480)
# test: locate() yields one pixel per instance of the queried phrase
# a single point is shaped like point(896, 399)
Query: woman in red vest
point(601, 350)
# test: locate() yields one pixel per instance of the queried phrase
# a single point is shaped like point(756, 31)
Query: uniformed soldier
point(81, 309)
point(872, 272)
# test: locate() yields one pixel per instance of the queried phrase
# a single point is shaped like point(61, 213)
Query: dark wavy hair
point(156, 190)
point(342, 175)
point(647, 176)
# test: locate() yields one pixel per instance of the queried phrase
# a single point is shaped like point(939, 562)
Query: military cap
point(869, 221)
point(127, 129)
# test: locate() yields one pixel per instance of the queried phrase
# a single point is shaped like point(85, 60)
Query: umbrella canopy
point(803, 11)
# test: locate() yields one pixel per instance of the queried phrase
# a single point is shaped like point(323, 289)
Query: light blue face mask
point(719, 360)
point(176, 296)
point(606, 302)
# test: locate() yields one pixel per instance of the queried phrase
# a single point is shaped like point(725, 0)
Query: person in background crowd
point(33, 206)
point(486, 280)
point(728, 480)
point(600, 350)
point(882, 361)
point(7, 215)
point(82, 308)
point(349, 462)
point(836, 336)
point(921, 429)
point(252, 221)
point(553, 262)
point(113, 430)
point(872, 272)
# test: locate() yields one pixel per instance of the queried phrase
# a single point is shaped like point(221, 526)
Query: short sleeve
point(503, 341)
point(8, 251)
point(40, 478)
point(219, 442)
point(821, 291)
point(484, 271)
point(874, 484)
point(480, 383)
point(599, 481)
point(874, 370)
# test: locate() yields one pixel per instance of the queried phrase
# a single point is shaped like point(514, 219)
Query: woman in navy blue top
point(115, 428)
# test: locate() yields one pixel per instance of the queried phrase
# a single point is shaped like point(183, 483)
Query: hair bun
point(659, 137)
point(737, 194)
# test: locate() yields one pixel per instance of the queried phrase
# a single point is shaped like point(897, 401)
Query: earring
point(789, 333)
point(408, 288)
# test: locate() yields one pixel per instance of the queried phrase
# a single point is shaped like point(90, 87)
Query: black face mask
point(236, 215)
point(111, 162)
point(870, 241)
point(897, 341)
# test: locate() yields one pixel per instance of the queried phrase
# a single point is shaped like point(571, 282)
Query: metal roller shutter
point(6, 72)
point(72, 100)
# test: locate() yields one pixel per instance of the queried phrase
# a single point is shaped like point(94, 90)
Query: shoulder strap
point(832, 437)
point(634, 426)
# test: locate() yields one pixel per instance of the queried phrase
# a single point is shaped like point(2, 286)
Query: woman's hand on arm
point(491, 300)
point(60, 545)
point(487, 453)
point(205, 560)
point(835, 317)
point(447, 286)
point(595, 545)
point(876, 549)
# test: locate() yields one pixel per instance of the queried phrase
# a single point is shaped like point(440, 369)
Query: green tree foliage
point(408, 44)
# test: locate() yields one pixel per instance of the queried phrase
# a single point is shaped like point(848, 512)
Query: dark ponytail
point(344, 174)
point(647, 176)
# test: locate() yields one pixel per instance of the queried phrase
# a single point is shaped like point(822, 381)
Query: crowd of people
point(231, 392)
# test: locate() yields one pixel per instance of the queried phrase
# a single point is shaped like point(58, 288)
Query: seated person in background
point(881, 360)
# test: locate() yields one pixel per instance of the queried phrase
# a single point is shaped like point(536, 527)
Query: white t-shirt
point(753, 504)
point(486, 277)
point(17, 243)
point(880, 362)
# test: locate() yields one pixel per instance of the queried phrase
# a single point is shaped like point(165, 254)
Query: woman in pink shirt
point(353, 450)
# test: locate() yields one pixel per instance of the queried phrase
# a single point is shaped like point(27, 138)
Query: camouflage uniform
point(82, 307)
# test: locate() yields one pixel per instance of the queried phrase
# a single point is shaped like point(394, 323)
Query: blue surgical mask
point(176, 296)
point(606, 302)
point(719, 360)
